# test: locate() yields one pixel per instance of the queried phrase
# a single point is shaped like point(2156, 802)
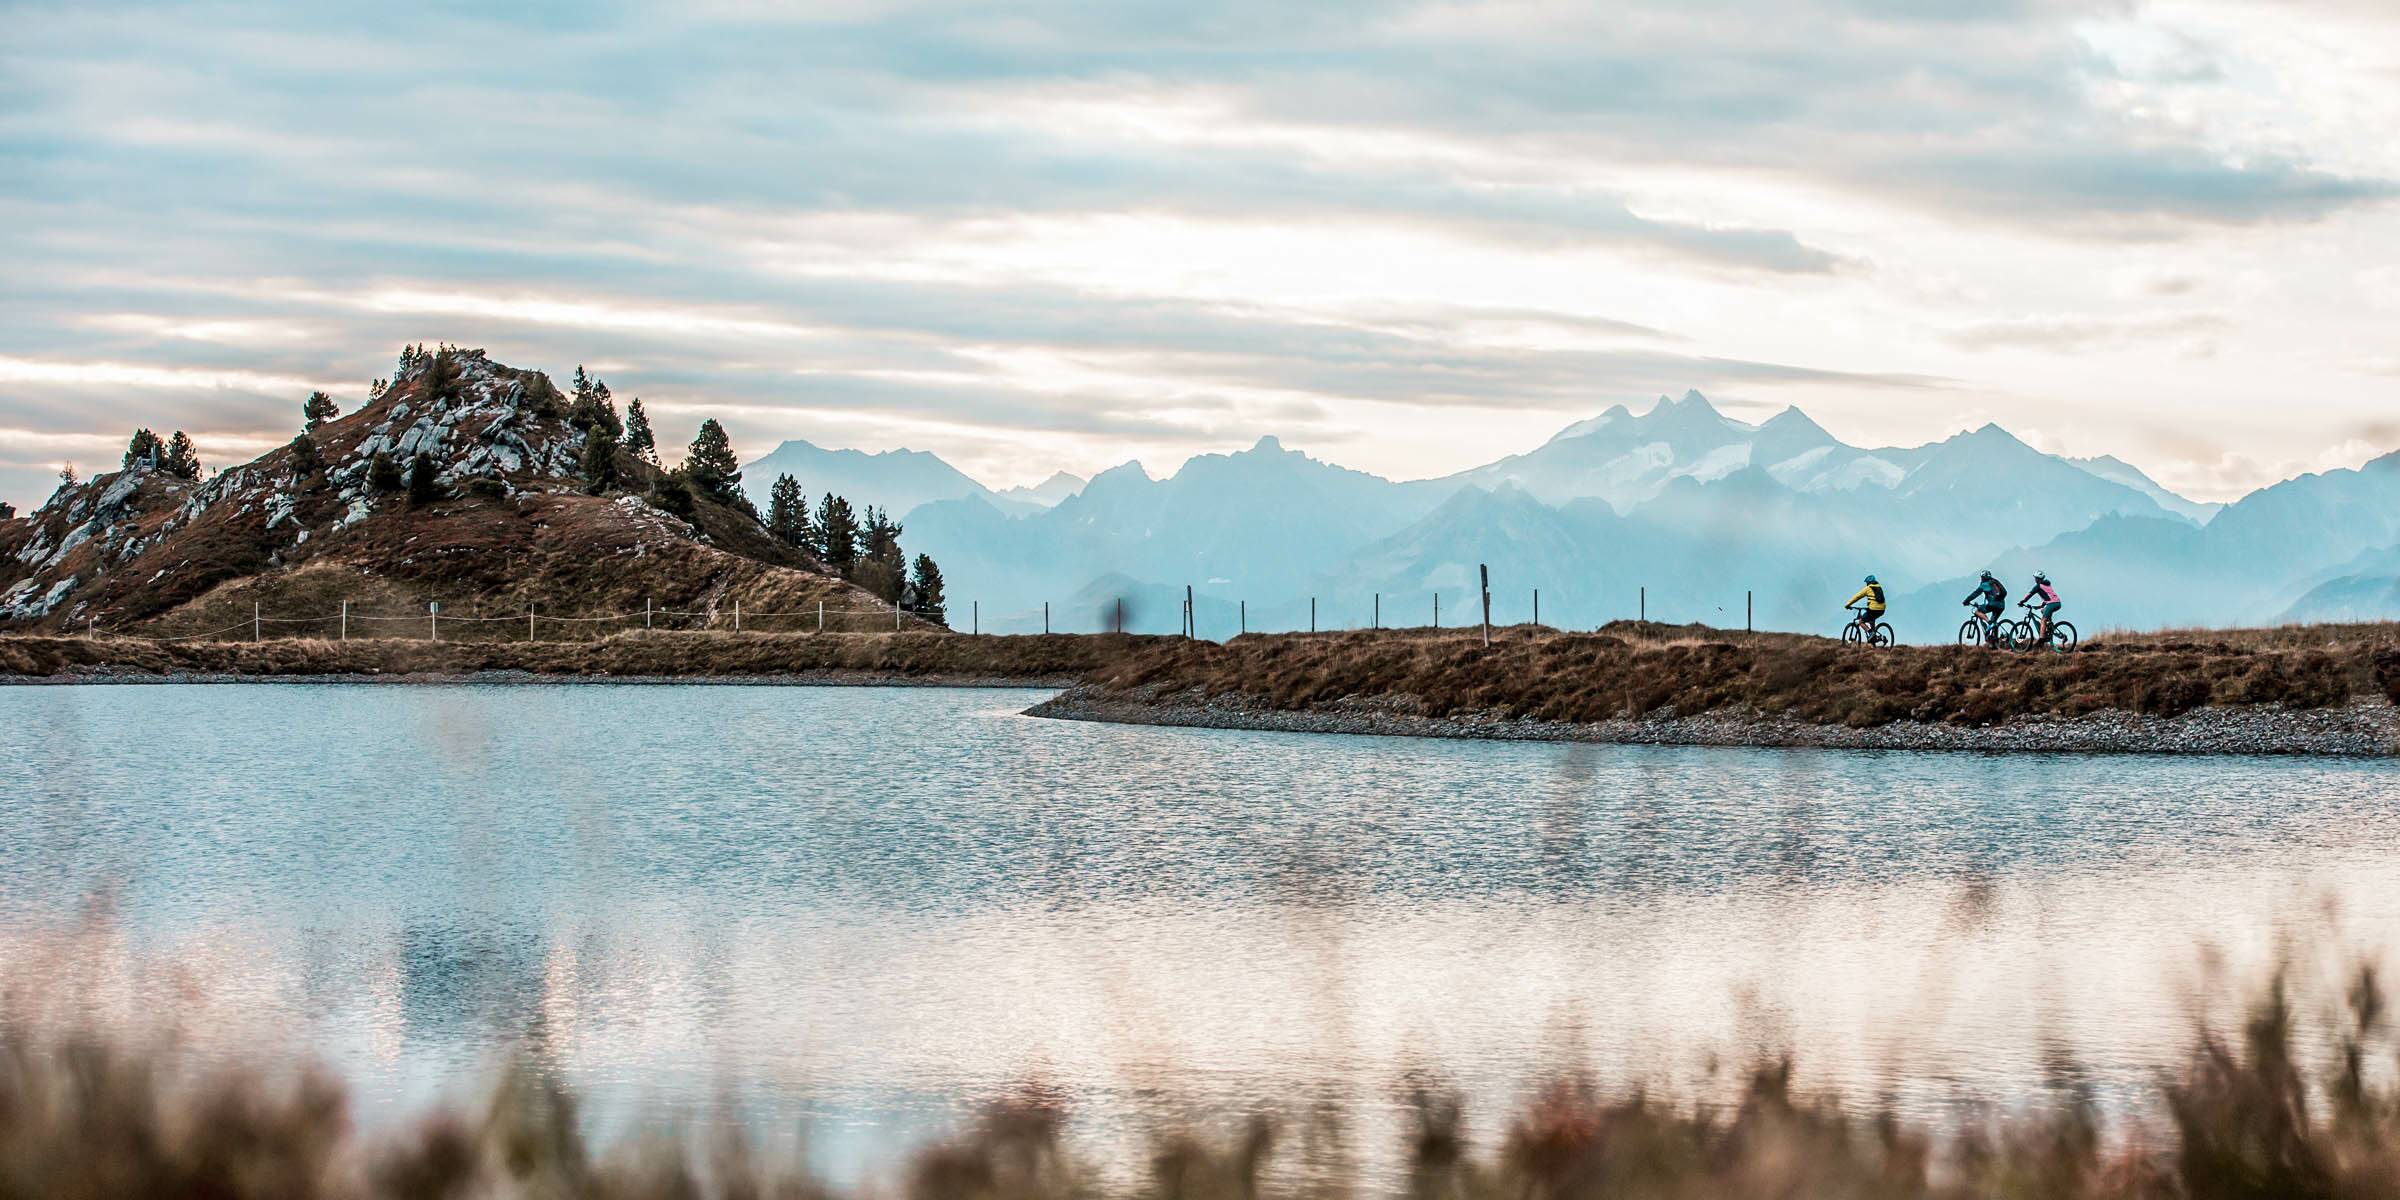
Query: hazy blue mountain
point(2117, 470)
point(895, 480)
point(1678, 508)
point(1048, 492)
point(2349, 598)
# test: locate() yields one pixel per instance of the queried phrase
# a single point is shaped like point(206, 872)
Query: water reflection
point(871, 908)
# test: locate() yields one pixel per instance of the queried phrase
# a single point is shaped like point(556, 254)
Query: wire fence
point(530, 624)
point(1196, 615)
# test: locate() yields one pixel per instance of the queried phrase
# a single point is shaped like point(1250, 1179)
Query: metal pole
point(645, 614)
point(254, 621)
point(1537, 608)
point(1045, 617)
point(1191, 615)
point(1437, 610)
point(975, 625)
point(1245, 616)
point(737, 614)
point(433, 618)
point(1645, 604)
point(1312, 614)
point(820, 616)
point(345, 620)
point(1378, 611)
point(1120, 614)
point(529, 622)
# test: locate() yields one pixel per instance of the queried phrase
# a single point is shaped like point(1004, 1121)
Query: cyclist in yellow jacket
point(1872, 593)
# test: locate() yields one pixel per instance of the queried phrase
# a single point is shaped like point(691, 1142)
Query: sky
point(1409, 238)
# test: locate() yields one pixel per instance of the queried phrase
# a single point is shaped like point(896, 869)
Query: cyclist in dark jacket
point(1989, 600)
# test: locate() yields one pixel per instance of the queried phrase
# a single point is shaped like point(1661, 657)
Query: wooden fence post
point(529, 622)
point(1378, 611)
point(1645, 609)
point(1537, 608)
point(254, 634)
point(1245, 627)
point(820, 616)
point(1437, 610)
point(975, 620)
point(1045, 618)
point(345, 620)
point(1485, 569)
point(1312, 614)
point(433, 618)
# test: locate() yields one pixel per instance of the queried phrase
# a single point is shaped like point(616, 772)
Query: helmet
point(1870, 579)
point(1987, 574)
point(2039, 577)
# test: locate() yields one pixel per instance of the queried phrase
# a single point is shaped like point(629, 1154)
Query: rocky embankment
point(2234, 694)
point(2362, 728)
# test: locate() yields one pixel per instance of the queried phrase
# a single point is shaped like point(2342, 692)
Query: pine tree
point(710, 465)
point(879, 535)
point(599, 461)
point(383, 475)
point(143, 448)
point(929, 602)
point(787, 513)
point(318, 409)
point(421, 473)
point(592, 408)
point(376, 389)
point(672, 494)
point(442, 378)
point(305, 460)
point(182, 459)
point(66, 474)
point(638, 437)
point(837, 533)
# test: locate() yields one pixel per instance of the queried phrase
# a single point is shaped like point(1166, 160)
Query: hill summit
point(465, 483)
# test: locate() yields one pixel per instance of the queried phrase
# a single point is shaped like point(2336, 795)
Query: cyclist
point(1989, 600)
point(1872, 593)
point(2048, 594)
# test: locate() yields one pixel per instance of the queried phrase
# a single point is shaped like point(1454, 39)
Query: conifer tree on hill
point(181, 459)
point(837, 534)
point(143, 447)
point(316, 410)
point(599, 461)
point(638, 438)
point(926, 597)
point(787, 514)
point(711, 468)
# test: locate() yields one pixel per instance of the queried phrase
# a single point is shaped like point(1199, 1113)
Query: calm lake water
point(870, 910)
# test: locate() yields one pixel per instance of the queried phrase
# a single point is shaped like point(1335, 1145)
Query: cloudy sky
point(1404, 237)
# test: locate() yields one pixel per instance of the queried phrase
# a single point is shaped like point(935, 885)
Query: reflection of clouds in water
point(872, 907)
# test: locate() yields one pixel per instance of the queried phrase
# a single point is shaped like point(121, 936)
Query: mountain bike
point(1859, 632)
point(2026, 632)
point(1985, 629)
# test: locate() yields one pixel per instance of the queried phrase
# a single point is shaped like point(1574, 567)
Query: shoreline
point(2361, 729)
point(515, 678)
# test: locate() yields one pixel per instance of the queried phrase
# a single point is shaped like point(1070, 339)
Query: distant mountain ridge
point(1678, 511)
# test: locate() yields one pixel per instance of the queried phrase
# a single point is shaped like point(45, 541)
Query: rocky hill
point(506, 524)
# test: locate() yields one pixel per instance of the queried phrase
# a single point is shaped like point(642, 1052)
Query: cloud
point(2071, 333)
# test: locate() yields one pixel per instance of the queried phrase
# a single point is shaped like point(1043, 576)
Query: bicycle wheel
point(1883, 635)
point(2016, 635)
point(2062, 636)
point(1852, 634)
point(1971, 633)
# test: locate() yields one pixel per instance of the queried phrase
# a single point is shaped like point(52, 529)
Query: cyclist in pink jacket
point(2048, 593)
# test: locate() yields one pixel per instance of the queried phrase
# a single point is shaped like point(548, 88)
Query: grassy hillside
point(1636, 670)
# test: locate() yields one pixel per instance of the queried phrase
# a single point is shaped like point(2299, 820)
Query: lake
point(869, 911)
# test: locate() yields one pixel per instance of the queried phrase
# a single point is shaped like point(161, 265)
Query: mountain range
point(1678, 512)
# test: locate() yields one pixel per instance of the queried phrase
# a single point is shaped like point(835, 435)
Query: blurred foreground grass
point(2257, 1114)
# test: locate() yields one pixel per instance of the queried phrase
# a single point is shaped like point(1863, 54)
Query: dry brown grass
point(87, 1118)
point(1031, 658)
point(1547, 676)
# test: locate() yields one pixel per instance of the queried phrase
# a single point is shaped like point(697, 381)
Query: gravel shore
point(2361, 729)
